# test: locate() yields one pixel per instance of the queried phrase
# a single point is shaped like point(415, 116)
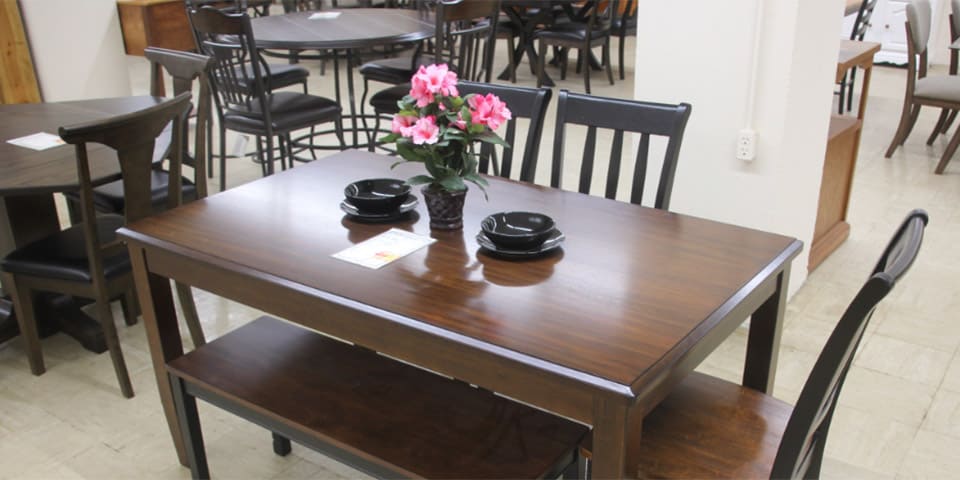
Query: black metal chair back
point(621, 116)
point(523, 102)
point(237, 78)
point(862, 22)
point(801, 449)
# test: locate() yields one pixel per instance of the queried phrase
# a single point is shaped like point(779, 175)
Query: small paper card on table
point(38, 141)
point(384, 248)
point(324, 15)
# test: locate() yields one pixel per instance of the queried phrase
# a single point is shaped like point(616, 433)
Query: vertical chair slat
point(613, 173)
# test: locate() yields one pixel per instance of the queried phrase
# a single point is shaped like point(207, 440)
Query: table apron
point(510, 375)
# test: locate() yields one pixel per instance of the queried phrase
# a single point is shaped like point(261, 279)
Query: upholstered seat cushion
point(288, 111)
point(109, 197)
point(280, 75)
point(392, 70)
point(385, 101)
point(63, 255)
point(572, 31)
point(940, 87)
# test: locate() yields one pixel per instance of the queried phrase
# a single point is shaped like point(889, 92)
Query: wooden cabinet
point(886, 28)
point(155, 23)
point(843, 143)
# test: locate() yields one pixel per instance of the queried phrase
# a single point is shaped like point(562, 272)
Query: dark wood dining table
point(354, 29)
point(600, 331)
point(29, 178)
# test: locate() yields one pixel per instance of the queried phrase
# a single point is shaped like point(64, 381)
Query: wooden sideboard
point(155, 23)
point(843, 144)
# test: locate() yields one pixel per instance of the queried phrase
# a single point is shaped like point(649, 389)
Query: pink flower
point(460, 122)
point(430, 81)
point(489, 110)
point(425, 131)
point(401, 124)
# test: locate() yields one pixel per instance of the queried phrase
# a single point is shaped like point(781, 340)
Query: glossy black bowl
point(517, 230)
point(377, 195)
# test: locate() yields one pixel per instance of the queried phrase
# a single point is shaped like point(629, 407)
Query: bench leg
point(186, 406)
point(281, 445)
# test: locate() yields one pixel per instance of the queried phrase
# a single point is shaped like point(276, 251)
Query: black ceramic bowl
point(517, 230)
point(377, 195)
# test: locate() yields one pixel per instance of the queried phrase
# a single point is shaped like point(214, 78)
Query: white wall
point(77, 48)
point(699, 51)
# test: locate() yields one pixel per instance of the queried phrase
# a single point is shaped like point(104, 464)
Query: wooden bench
point(379, 415)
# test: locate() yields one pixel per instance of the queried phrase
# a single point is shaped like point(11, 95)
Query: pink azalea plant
point(437, 127)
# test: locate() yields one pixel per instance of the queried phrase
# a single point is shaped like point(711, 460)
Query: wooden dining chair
point(625, 24)
point(859, 30)
point(591, 32)
point(942, 91)
point(526, 103)
point(947, 116)
point(245, 101)
point(711, 428)
point(87, 260)
point(184, 68)
point(464, 40)
point(621, 116)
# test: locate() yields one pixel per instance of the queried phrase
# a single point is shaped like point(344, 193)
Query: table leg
point(163, 337)
point(763, 343)
point(609, 439)
point(351, 97)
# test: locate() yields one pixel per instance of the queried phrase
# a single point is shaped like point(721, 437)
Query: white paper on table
point(324, 15)
point(384, 248)
point(38, 141)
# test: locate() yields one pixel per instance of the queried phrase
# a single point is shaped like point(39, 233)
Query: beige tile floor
point(899, 415)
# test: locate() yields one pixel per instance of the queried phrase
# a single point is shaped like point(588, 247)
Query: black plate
point(409, 205)
point(553, 242)
point(377, 195)
point(517, 231)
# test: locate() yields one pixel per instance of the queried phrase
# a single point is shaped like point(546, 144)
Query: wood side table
point(843, 144)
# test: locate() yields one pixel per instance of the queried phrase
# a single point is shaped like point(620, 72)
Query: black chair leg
point(189, 421)
point(853, 81)
point(281, 445)
point(622, 47)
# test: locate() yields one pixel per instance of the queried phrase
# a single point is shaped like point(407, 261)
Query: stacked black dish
point(519, 234)
point(378, 200)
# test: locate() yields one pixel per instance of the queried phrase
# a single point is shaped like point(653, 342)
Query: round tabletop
point(341, 29)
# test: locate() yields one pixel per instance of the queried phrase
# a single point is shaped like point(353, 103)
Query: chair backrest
point(132, 136)
point(464, 36)
point(237, 79)
point(919, 17)
point(801, 449)
point(184, 68)
point(954, 20)
point(862, 22)
point(301, 5)
point(619, 115)
point(523, 102)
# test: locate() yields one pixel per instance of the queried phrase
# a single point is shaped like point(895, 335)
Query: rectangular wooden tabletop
point(616, 313)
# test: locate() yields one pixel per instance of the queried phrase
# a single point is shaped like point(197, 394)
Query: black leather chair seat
point(280, 75)
point(111, 194)
point(392, 70)
point(288, 111)
point(63, 255)
point(385, 101)
point(573, 31)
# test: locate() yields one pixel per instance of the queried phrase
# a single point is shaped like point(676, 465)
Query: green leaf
point(453, 183)
point(490, 137)
point(390, 138)
point(419, 180)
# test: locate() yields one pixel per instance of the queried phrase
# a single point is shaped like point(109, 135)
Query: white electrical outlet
point(747, 145)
